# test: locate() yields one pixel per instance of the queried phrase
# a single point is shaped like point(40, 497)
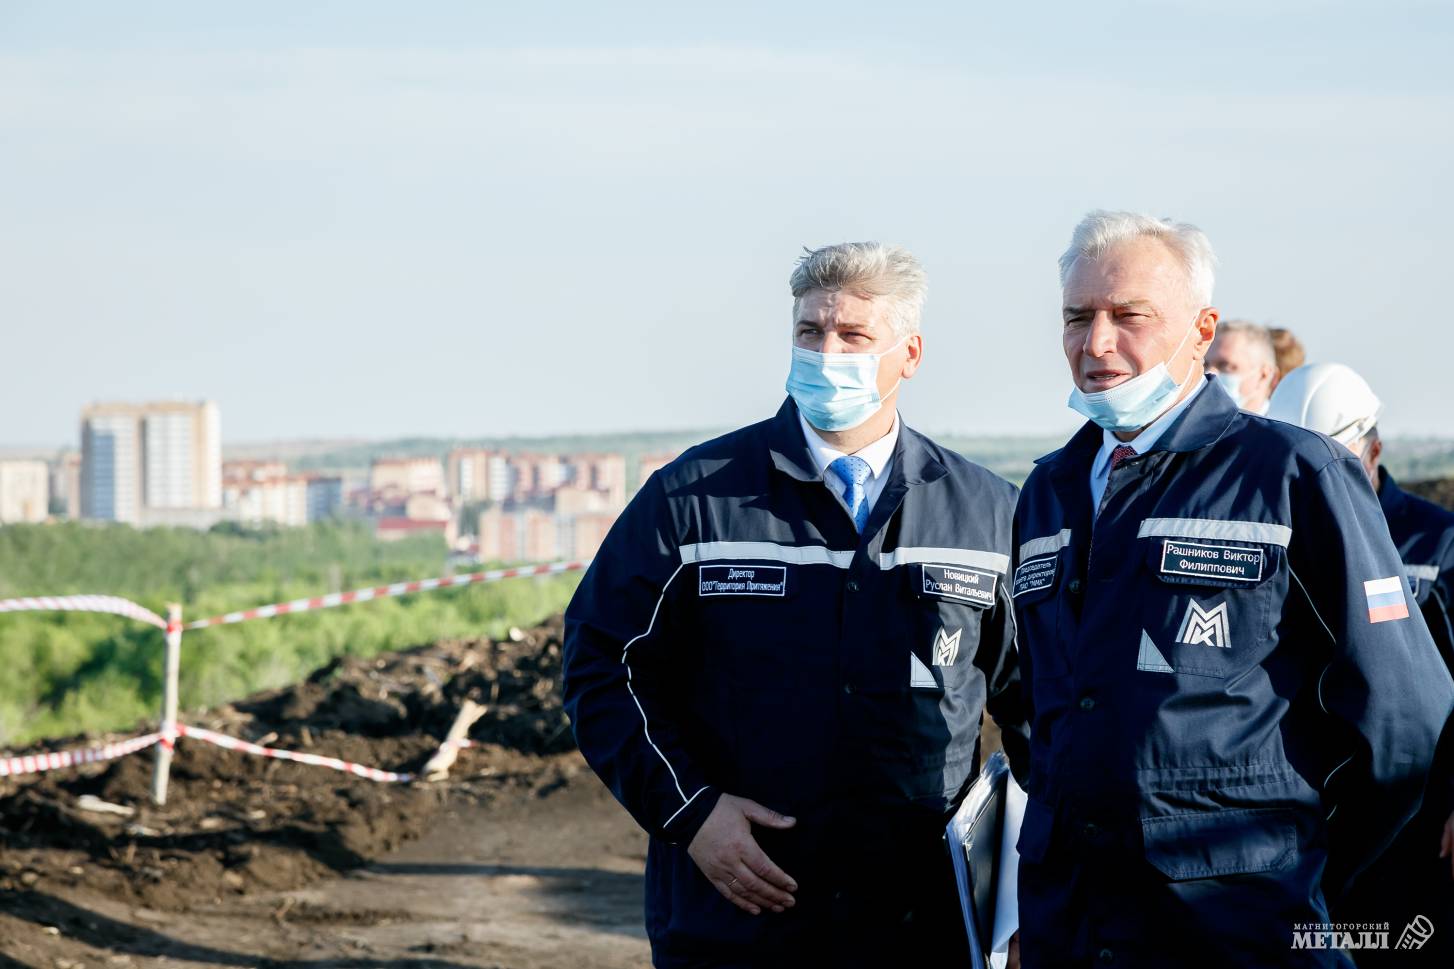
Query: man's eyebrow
point(1123, 305)
point(846, 327)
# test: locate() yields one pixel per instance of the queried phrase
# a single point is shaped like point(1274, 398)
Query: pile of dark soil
point(235, 822)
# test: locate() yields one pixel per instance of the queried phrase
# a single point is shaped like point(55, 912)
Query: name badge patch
point(743, 580)
point(1234, 562)
point(1038, 573)
point(957, 582)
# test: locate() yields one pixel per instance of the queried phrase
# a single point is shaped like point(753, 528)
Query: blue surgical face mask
point(1232, 384)
point(836, 391)
point(1134, 403)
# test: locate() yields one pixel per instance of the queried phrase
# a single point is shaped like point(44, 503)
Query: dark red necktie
point(1120, 454)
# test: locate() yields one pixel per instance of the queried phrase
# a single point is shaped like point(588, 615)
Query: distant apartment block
point(586, 533)
point(391, 528)
point(605, 473)
point(525, 535)
point(536, 475)
point(164, 458)
point(325, 497)
point(24, 491)
point(402, 477)
point(262, 492)
point(65, 483)
point(649, 465)
point(572, 524)
point(258, 492)
point(476, 474)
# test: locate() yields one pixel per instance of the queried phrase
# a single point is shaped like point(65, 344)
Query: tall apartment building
point(154, 456)
point(24, 491)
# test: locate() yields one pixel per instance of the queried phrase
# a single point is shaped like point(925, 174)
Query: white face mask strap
point(1191, 364)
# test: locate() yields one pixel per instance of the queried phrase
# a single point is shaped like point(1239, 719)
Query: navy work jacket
point(1424, 535)
point(1231, 690)
point(736, 634)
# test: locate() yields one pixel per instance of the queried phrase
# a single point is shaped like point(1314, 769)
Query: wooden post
point(438, 767)
point(169, 705)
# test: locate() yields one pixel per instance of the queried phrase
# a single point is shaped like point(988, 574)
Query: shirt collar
point(876, 454)
point(1148, 437)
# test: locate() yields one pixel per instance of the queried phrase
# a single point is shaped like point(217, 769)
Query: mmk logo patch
point(946, 647)
point(1205, 627)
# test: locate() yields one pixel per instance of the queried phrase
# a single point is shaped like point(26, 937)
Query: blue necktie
point(854, 473)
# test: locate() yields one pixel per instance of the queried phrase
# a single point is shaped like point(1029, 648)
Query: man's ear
point(914, 344)
point(1207, 330)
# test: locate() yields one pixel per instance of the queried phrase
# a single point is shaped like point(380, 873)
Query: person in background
point(1228, 689)
point(779, 659)
point(1416, 875)
point(1243, 358)
point(1289, 350)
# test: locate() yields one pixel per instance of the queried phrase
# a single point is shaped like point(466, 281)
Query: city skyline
point(160, 463)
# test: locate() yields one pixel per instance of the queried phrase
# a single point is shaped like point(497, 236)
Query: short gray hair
point(1259, 336)
point(1100, 230)
point(890, 273)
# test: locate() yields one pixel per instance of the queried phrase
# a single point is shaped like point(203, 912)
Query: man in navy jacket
point(779, 659)
point(1232, 688)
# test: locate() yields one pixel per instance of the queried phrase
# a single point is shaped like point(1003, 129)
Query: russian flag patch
point(1386, 599)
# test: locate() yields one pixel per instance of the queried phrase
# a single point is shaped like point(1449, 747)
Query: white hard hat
point(1326, 397)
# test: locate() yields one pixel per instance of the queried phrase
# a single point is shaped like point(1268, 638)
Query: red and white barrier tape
point(385, 591)
point(38, 763)
point(111, 604)
point(233, 743)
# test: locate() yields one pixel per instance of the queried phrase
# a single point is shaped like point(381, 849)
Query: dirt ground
point(520, 859)
point(546, 873)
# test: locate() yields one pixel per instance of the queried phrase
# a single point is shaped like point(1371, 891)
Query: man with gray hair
point(1232, 702)
point(1243, 358)
point(779, 659)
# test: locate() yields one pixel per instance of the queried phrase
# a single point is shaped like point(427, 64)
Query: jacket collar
point(1390, 496)
point(913, 459)
point(1204, 422)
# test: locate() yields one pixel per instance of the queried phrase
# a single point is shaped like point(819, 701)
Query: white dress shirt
point(879, 455)
point(1100, 472)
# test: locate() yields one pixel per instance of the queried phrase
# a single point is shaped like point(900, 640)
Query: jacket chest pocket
point(945, 604)
point(1035, 591)
point(1207, 604)
point(749, 624)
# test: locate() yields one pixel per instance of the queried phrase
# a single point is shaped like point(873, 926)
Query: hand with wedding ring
point(726, 852)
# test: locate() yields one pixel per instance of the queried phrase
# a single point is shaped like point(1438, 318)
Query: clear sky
point(378, 219)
